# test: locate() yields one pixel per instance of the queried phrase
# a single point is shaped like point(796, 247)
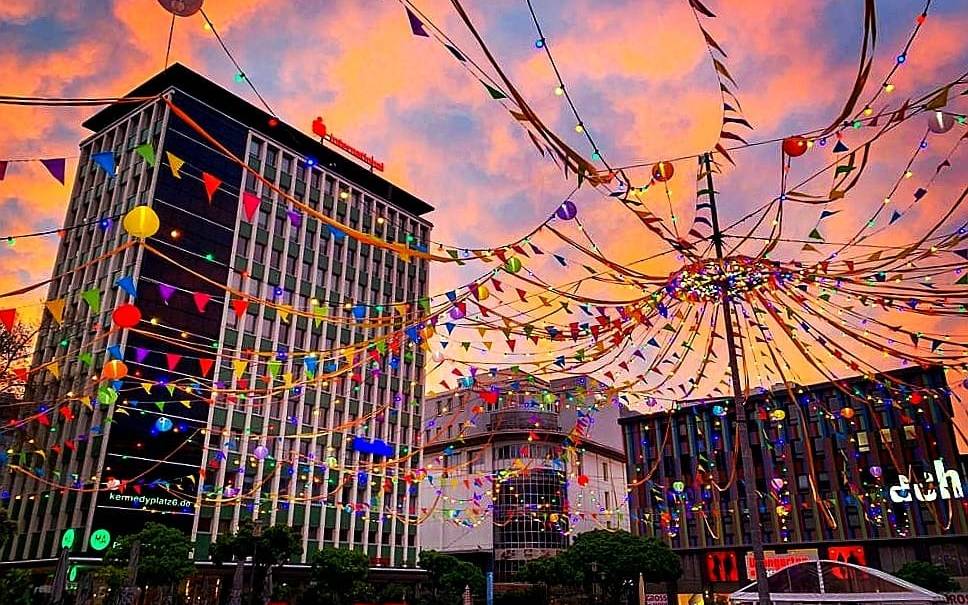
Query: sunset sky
point(638, 71)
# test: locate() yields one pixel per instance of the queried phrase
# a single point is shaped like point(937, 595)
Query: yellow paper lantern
point(142, 222)
point(483, 293)
point(114, 370)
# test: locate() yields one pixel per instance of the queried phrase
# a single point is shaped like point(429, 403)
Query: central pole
point(739, 400)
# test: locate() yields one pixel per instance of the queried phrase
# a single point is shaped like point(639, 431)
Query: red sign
point(774, 562)
point(721, 566)
point(319, 129)
point(847, 554)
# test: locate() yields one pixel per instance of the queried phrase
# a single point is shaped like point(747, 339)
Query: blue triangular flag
point(115, 352)
point(416, 25)
point(827, 213)
point(105, 159)
point(452, 296)
point(336, 233)
point(310, 363)
point(895, 216)
point(561, 260)
point(840, 147)
point(126, 283)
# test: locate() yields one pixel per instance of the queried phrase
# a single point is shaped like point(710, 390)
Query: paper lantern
point(182, 8)
point(678, 487)
point(794, 146)
point(141, 221)
point(438, 356)
point(456, 313)
point(778, 415)
point(777, 483)
point(719, 410)
point(847, 413)
point(332, 463)
point(114, 370)
point(513, 265)
point(482, 292)
point(916, 398)
point(567, 210)
point(940, 122)
point(163, 424)
point(126, 316)
point(877, 471)
point(583, 480)
point(663, 171)
point(261, 452)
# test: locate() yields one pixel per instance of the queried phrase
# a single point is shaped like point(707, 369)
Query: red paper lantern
point(583, 480)
point(916, 398)
point(126, 316)
point(663, 171)
point(794, 146)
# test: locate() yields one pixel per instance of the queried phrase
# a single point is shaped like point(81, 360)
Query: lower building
point(517, 466)
point(865, 470)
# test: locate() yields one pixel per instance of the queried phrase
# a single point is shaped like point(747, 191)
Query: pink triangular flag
point(250, 203)
point(201, 300)
point(211, 184)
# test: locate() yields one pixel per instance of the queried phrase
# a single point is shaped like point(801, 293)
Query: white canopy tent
point(819, 582)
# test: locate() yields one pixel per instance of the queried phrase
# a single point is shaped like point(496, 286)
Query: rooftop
point(183, 79)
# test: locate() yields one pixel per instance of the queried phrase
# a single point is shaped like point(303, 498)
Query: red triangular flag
point(173, 359)
point(201, 300)
point(211, 184)
point(7, 318)
point(239, 305)
point(250, 203)
point(21, 374)
point(205, 365)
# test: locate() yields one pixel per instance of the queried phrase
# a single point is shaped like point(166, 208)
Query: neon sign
point(943, 483)
point(319, 129)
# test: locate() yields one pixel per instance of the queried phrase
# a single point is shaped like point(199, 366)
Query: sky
point(637, 69)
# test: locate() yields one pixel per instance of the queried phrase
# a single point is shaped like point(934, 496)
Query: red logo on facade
point(319, 129)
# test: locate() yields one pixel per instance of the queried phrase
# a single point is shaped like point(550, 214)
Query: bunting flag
point(239, 305)
point(840, 147)
point(416, 25)
point(211, 184)
point(175, 163)
point(239, 366)
point(172, 360)
point(201, 300)
point(7, 318)
point(3, 169)
point(105, 161)
point(147, 151)
point(140, 354)
point(166, 292)
point(56, 309)
point(815, 234)
point(57, 167)
point(205, 365)
point(93, 299)
point(126, 283)
point(496, 94)
point(250, 204)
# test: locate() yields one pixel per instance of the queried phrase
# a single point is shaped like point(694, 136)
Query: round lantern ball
point(877, 471)
point(141, 221)
point(126, 316)
point(777, 483)
point(163, 424)
point(583, 480)
point(456, 313)
point(438, 356)
point(678, 487)
point(794, 146)
point(940, 122)
point(778, 415)
point(513, 265)
point(482, 293)
point(719, 410)
point(847, 413)
point(261, 452)
point(114, 370)
point(663, 171)
point(916, 398)
point(567, 210)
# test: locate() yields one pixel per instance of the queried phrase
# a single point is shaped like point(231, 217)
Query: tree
point(8, 527)
point(550, 572)
point(16, 587)
point(339, 575)
point(165, 556)
point(447, 577)
point(928, 575)
point(268, 548)
point(15, 346)
point(612, 561)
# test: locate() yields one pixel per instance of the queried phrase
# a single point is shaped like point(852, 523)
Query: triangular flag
point(166, 292)
point(56, 167)
point(140, 354)
point(93, 299)
point(211, 184)
point(239, 365)
point(416, 25)
point(147, 151)
point(827, 213)
point(840, 147)
point(205, 365)
point(495, 93)
point(53, 369)
point(175, 163)
point(126, 283)
point(172, 359)
point(815, 234)
point(56, 309)
point(250, 203)
point(274, 366)
point(896, 215)
point(3, 169)
point(105, 161)
point(239, 305)
point(201, 300)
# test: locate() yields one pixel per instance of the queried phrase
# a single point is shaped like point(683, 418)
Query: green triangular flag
point(274, 366)
point(147, 151)
point(171, 389)
point(93, 299)
point(425, 304)
point(85, 358)
point(815, 234)
point(495, 93)
point(963, 281)
point(161, 405)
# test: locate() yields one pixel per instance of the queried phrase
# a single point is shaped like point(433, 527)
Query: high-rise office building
point(267, 378)
point(519, 466)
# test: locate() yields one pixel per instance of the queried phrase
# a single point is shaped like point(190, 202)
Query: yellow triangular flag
point(147, 387)
point(175, 163)
point(53, 369)
point(284, 315)
point(186, 403)
point(87, 402)
point(56, 308)
point(287, 377)
point(239, 365)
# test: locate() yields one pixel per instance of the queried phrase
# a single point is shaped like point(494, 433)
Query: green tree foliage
point(8, 527)
point(549, 573)
point(339, 575)
point(268, 547)
point(928, 575)
point(165, 558)
point(16, 587)
point(447, 577)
